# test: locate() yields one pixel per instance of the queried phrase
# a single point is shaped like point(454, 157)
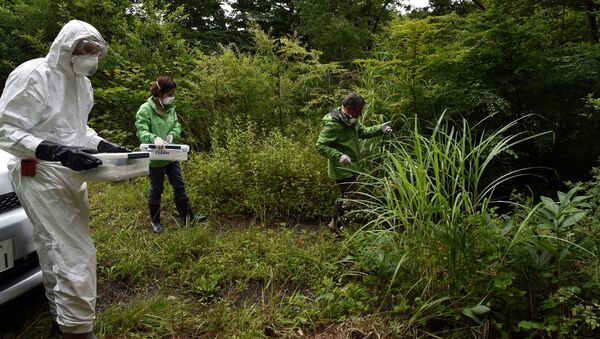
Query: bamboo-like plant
point(432, 193)
point(437, 179)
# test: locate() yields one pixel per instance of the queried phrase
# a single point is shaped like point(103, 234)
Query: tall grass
point(427, 211)
point(437, 179)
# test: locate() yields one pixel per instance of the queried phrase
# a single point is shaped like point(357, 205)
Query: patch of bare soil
point(113, 292)
point(342, 331)
point(257, 293)
point(224, 224)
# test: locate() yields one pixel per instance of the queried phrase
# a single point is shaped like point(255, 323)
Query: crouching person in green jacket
point(339, 143)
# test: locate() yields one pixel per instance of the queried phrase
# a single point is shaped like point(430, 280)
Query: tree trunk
point(591, 16)
point(481, 6)
point(377, 21)
point(381, 14)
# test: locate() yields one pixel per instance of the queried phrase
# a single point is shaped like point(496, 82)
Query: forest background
point(459, 227)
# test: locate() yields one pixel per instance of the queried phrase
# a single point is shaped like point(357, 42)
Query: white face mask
point(346, 118)
point(167, 100)
point(85, 64)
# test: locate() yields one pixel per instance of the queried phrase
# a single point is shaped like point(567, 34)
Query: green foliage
point(511, 60)
point(432, 235)
point(156, 316)
point(266, 176)
point(341, 30)
point(278, 83)
point(393, 77)
point(432, 253)
point(428, 180)
point(274, 16)
point(281, 82)
point(205, 23)
point(592, 190)
point(146, 45)
point(457, 268)
point(580, 317)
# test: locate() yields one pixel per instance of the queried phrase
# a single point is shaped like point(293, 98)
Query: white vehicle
point(19, 267)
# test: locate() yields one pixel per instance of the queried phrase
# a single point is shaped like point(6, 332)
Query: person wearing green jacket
point(156, 123)
point(339, 143)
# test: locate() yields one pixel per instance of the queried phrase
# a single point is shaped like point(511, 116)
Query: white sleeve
point(91, 138)
point(19, 113)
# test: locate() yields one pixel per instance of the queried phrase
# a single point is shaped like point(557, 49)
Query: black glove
point(107, 147)
point(76, 158)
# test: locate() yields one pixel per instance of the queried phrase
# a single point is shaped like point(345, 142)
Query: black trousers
point(157, 180)
point(346, 187)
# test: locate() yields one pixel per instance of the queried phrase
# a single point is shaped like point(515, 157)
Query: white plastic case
point(118, 166)
point(170, 152)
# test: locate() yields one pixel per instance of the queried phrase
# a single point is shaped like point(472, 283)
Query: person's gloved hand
point(76, 158)
point(159, 143)
point(169, 138)
point(385, 127)
point(107, 147)
point(345, 160)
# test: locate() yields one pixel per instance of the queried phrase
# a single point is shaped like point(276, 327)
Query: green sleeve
point(326, 139)
point(368, 132)
point(142, 124)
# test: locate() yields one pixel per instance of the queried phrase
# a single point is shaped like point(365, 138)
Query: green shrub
point(262, 174)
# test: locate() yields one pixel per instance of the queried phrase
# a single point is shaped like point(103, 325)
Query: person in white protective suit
point(43, 122)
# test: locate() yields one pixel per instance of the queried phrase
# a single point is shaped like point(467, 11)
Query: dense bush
point(273, 87)
point(261, 173)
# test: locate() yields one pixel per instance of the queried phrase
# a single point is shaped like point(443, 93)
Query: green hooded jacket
point(337, 138)
point(151, 124)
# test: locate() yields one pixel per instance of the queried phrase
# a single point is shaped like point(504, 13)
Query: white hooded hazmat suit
point(45, 100)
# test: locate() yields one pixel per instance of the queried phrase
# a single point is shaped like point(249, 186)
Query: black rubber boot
point(337, 220)
point(155, 218)
point(186, 215)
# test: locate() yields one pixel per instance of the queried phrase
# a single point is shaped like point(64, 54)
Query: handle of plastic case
point(166, 146)
point(138, 155)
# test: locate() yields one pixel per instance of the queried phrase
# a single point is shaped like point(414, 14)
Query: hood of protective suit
point(62, 48)
point(45, 100)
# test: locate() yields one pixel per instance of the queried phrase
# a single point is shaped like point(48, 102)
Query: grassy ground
point(219, 279)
